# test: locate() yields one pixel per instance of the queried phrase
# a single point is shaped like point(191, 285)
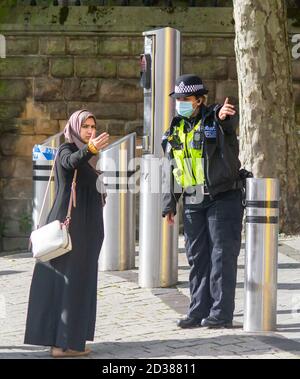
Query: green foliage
point(25, 223)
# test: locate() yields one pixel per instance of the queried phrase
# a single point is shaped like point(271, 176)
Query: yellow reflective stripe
point(189, 171)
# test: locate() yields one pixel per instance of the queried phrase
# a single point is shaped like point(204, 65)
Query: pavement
point(134, 322)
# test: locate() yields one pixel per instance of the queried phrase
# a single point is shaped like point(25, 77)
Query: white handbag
point(50, 241)
point(53, 240)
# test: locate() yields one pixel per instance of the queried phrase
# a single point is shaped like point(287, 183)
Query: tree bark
point(269, 143)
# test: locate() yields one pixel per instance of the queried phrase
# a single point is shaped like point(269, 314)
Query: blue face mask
point(184, 108)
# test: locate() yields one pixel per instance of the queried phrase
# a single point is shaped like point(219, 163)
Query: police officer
point(202, 148)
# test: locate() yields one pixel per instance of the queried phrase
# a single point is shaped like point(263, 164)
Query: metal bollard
point(118, 166)
point(260, 305)
point(42, 159)
point(158, 257)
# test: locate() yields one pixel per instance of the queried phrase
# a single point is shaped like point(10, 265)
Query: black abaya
point(63, 294)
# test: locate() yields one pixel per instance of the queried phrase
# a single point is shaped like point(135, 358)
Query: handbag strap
point(72, 196)
point(72, 200)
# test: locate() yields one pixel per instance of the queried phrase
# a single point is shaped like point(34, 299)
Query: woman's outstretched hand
point(101, 141)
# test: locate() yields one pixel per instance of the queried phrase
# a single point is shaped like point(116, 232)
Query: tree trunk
point(269, 144)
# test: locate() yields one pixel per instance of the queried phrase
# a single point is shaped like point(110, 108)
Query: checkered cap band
point(182, 88)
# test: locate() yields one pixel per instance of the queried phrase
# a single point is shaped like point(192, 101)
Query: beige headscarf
point(72, 131)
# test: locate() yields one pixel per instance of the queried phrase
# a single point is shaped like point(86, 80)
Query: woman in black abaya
point(63, 293)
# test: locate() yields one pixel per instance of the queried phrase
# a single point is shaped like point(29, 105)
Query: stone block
point(116, 111)
point(211, 86)
point(13, 209)
point(129, 68)
point(46, 89)
point(134, 127)
point(120, 90)
point(48, 127)
point(222, 47)
point(57, 110)
point(16, 45)
point(20, 146)
point(20, 188)
point(15, 243)
point(15, 167)
point(81, 89)
point(14, 228)
point(15, 89)
point(115, 127)
point(140, 111)
point(227, 89)
point(114, 46)
point(82, 46)
point(137, 46)
point(7, 166)
point(10, 110)
point(62, 124)
point(232, 70)
point(7, 126)
point(206, 68)
point(23, 66)
point(192, 46)
point(24, 126)
point(62, 67)
point(101, 126)
point(52, 45)
point(95, 67)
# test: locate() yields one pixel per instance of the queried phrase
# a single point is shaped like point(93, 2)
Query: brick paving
point(134, 322)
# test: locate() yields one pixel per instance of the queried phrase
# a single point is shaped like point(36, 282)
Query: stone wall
point(62, 59)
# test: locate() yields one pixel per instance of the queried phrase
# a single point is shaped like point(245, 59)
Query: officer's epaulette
point(169, 131)
point(174, 122)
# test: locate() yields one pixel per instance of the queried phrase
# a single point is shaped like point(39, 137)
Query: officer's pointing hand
point(170, 218)
point(226, 110)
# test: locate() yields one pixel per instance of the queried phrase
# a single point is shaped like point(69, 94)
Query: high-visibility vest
point(187, 149)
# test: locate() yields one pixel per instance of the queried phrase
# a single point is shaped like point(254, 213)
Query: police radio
point(197, 140)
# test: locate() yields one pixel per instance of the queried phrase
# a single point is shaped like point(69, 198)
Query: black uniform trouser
point(213, 239)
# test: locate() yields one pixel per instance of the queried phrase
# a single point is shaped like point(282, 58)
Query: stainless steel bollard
point(118, 166)
point(262, 199)
point(160, 65)
point(43, 157)
point(158, 257)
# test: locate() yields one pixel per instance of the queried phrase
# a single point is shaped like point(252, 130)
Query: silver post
point(160, 65)
point(118, 166)
point(261, 258)
point(158, 259)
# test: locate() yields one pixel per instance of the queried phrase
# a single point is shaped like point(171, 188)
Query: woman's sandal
point(57, 352)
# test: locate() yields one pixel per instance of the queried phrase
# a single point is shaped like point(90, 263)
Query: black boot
point(214, 323)
point(189, 322)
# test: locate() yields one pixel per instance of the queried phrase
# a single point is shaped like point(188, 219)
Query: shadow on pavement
point(10, 272)
point(225, 345)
